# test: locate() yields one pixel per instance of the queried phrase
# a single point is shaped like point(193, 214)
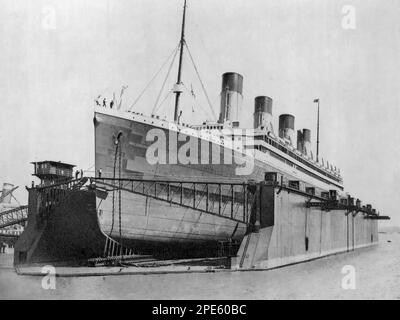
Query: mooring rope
point(119, 197)
point(113, 196)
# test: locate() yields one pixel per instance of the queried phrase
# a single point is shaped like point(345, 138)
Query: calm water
point(377, 277)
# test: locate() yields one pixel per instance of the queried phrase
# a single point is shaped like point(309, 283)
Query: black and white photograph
point(211, 153)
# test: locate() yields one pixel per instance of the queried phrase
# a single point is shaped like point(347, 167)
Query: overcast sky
point(57, 56)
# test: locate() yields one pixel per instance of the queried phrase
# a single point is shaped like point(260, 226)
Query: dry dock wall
point(290, 232)
point(287, 231)
point(69, 232)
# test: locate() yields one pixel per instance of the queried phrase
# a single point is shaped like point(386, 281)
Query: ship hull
point(150, 221)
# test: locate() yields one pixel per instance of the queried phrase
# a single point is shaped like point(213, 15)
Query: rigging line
point(88, 170)
point(201, 82)
point(162, 102)
point(15, 199)
point(173, 53)
point(92, 166)
point(194, 99)
point(166, 101)
point(189, 91)
point(165, 81)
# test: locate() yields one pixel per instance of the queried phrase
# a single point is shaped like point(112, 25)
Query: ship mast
point(317, 101)
point(178, 89)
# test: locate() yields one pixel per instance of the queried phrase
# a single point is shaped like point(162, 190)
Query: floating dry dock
point(284, 224)
point(262, 198)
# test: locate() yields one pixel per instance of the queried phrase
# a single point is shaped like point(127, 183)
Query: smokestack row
point(231, 104)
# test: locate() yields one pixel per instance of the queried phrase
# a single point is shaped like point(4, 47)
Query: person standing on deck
point(97, 101)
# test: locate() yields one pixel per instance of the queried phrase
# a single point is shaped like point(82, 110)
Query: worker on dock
point(3, 248)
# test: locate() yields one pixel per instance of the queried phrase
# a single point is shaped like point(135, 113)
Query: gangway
point(232, 201)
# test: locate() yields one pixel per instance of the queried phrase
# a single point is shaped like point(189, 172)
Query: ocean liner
point(133, 146)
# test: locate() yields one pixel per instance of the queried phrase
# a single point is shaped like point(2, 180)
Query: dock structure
point(11, 233)
point(52, 172)
point(284, 223)
point(63, 220)
point(294, 226)
point(61, 224)
point(13, 217)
